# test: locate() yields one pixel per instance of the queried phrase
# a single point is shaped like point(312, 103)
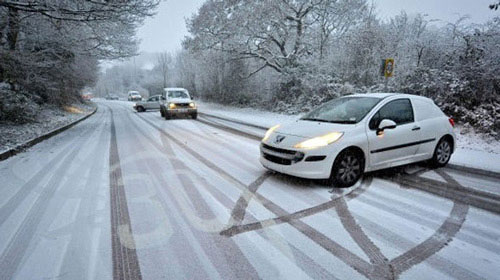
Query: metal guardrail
point(234, 121)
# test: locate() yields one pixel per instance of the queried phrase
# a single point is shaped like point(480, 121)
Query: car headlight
point(269, 132)
point(320, 141)
point(171, 105)
point(192, 105)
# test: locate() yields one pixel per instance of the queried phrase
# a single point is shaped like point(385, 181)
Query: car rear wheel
point(347, 169)
point(442, 153)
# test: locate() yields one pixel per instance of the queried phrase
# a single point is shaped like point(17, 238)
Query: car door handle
point(415, 128)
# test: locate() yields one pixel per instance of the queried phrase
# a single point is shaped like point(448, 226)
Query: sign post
point(387, 70)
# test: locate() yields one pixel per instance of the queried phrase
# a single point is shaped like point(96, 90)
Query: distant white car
point(348, 136)
point(177, 101)
point(152, 103)
point(134, 96)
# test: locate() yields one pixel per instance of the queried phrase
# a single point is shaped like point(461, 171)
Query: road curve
point(126, 195)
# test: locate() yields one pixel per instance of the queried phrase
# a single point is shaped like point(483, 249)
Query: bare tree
point(51, 48)
point(100, 19)
point(271, 32)
point(335, 18)
point(164, 60)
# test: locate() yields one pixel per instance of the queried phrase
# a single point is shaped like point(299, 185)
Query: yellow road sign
point(389, 67)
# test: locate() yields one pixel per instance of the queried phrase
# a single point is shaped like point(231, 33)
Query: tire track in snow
point(223, 251)
point(442, 237)
point(8, 207)
point(381, 268)
point(125, 260)
point(15, 250)
point(379, 261)
point(331, 246)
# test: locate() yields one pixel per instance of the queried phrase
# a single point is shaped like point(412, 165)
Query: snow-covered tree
point(51, 48)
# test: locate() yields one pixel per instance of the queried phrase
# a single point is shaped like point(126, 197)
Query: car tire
point(347, 169)
point(442, 153)
point(162, 113)
point(140, 109)
point(167, 116)
point(194, 116)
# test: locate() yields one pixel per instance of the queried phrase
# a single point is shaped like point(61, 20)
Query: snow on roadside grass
point(47, 119)
point(473, 150)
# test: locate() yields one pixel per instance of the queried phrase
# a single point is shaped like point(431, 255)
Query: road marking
point(379, 267)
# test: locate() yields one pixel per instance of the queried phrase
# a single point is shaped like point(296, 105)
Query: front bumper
point(180, 111)
point(311, 164)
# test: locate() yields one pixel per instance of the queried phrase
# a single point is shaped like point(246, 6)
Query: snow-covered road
point(125, 195)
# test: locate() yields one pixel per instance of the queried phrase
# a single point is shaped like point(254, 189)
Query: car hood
point(310, 129)
point(179, 100)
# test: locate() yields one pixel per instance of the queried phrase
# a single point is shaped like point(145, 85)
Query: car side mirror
point(385, 124)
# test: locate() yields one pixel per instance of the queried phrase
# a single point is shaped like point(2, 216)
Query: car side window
point(400, 111)
point(151, 99)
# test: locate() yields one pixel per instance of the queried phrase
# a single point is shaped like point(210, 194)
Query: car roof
point(172, 89)
point(386, 95)
point(376, 95)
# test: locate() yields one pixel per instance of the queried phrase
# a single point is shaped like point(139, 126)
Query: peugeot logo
point(279, 139)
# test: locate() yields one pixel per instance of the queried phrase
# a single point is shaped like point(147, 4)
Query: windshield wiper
point(314, 120)
point(342, 122)
point(328, 121)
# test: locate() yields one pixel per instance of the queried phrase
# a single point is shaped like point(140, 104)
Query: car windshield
point(349, 110)
point(177, 94)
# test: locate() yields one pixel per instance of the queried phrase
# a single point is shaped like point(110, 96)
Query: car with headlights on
point(347, 136)
point(177, 101)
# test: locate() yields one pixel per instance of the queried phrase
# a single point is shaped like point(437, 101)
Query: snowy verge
point(50, 121)
point(478, 151)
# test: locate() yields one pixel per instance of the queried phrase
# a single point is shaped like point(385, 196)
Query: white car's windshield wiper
point(314, 120)
point(343, 121)
point(329, 121)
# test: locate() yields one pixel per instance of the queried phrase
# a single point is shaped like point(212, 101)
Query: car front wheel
point(347, 169)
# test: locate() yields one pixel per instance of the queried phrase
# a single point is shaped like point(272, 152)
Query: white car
point(152, 103)
point(134, 96)
point(351, 135)
point(177, 101)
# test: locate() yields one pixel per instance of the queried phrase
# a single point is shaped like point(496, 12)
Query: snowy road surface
point(124, 195)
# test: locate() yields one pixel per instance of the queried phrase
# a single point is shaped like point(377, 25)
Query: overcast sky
point(166, 30)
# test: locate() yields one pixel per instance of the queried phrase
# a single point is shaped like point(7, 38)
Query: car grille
point(280, 156)
point(182, 105)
